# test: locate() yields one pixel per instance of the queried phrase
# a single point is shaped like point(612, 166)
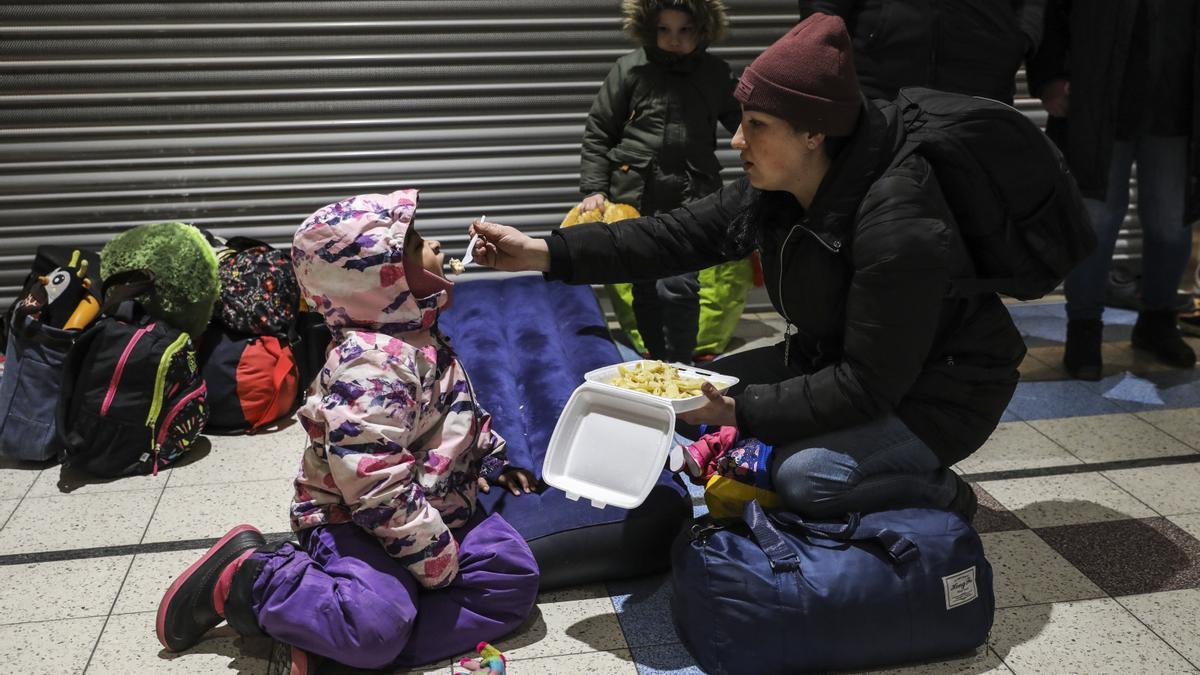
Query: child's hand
point(592, 202)
point(514, 480)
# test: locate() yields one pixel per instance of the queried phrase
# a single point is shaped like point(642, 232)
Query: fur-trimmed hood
point(640, 17)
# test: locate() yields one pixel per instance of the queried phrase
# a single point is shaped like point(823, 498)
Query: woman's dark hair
point(748, 228)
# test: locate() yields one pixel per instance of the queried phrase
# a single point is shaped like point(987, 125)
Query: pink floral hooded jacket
point(396, 440)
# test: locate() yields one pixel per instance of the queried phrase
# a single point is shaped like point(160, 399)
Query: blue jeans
point(1166, 240)
point(870, 467)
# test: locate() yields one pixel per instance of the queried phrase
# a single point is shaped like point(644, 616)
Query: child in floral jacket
point(395, 565)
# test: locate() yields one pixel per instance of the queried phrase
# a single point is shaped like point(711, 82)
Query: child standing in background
point(650, 141)
point(395, 565)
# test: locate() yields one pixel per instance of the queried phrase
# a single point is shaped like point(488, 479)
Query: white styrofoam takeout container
point(609, 445)
point(607, 374)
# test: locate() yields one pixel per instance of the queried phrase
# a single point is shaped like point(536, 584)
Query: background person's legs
point(648, 312)
point(1086, 284)
point(1166, 247)
point(680, 298)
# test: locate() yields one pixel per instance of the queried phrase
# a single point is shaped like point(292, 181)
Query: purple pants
point(340, 595)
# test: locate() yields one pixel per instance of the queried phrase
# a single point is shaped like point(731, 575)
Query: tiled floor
point(1090, 515)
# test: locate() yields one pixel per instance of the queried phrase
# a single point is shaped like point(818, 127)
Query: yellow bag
point(609, 213)
point(726, 497)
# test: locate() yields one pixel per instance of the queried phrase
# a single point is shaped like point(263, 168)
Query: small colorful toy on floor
point(490, 661)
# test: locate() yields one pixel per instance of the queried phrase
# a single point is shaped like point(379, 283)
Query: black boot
point(1158, 333)
point(1082, 356)
point(186, 611)
point(965, 503)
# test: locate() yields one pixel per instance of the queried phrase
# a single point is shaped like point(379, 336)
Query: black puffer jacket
point(1088, 43)
point(863, 276)
point(964, 46)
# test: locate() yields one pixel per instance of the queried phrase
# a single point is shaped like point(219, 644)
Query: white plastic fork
point(469, 256)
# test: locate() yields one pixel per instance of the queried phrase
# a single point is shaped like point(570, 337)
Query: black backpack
point(132, 398)
point(1014, 199)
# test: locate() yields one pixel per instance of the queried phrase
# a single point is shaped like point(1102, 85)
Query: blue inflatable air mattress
point(526, 344)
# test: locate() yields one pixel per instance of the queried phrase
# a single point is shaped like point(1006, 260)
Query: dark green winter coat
point(651, 139)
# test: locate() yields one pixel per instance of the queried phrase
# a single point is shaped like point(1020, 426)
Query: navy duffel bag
point(778, 594)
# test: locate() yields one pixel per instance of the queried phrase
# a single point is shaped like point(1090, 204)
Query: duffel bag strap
point(780, 556)
point(899, 548)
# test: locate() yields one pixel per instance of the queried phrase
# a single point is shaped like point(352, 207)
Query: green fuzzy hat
point(184, 268)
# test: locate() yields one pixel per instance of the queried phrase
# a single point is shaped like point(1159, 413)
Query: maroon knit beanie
point(807, 78)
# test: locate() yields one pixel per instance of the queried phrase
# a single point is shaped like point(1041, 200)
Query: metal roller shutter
point(244, 117)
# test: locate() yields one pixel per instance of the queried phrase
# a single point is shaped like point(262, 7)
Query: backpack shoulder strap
point(124, 286)
point(240, 243)
point(72, 371)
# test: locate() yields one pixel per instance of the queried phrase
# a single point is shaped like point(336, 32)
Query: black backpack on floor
point(1008, 186)
point(132, 398)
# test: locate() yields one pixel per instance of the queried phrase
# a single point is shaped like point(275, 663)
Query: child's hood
point(349, 261)
point(640, 18)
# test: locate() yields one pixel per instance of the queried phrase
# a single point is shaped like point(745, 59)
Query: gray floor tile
point(1066, 398)
point(1027, 571)
point(1173, 615)
point(206, 511)
point(7, 506)
point(49, 647)
point(249, 457)
point(612, 662)
point(78, 521)
point(59, 480)
point(570, 621)
point(984, 660)
point(1107, 438)
point(1189, 523)
point(991, 516)
point(128, 645)
point(149, 577)
point(1182, 423)
point(1062, 500)
point(67, 589)
point(1125, 557)
point(1089, 636)
point(16, 478)
point(1016, 445)
point(643, 606)
point(671, 659)
point(1169, 490)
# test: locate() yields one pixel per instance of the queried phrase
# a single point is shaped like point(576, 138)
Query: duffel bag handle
point(780, 556)
point(900, 549)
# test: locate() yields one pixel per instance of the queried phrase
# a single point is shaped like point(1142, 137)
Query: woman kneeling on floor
point(884, 379)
